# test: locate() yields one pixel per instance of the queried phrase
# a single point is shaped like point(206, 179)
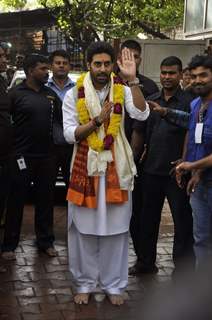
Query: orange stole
point(83, 189)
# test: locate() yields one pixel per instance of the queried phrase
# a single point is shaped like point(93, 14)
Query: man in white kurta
point(98, 237)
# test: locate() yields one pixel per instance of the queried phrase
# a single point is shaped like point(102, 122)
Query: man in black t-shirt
point(5, 132)
point(136, 138)
point(33, 107)
point(5, 137)
point(164, 142)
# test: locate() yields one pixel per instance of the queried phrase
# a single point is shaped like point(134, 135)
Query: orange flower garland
point(115, 120)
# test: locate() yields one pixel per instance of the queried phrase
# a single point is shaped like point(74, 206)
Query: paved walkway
point(36, 287)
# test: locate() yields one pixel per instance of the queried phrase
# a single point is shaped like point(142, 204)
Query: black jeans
point(136, 208)
point(42, 172)
point(154, 190)
point(5, 177)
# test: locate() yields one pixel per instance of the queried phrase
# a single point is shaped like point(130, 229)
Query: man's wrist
point(134, 82)
point(165, 111)
point(96, 122)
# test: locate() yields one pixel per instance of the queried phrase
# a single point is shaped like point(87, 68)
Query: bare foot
point(116, 299)
point(81, 298)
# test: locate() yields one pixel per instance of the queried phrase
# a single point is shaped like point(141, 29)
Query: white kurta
point(106, 219)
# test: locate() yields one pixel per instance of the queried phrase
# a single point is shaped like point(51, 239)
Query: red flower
point(117, 108)
point(81, 93)
point(117, 80)
point(108, 141)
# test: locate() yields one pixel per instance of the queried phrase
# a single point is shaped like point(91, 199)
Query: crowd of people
point(123, 146)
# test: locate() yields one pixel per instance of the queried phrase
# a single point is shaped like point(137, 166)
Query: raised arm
point(128, 69)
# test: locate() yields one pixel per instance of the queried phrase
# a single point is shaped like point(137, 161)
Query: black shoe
point(139, 268)
point(149, 270)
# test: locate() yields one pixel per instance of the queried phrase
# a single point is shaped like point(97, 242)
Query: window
point(195, 15)
point(209, 15)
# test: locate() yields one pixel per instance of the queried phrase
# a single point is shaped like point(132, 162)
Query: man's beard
point(203, 90)
point(43, 81)
point(101, 78)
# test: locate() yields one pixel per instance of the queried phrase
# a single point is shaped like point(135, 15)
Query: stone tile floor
point(36, 287)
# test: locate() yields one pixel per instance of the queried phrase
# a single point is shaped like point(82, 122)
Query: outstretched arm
point(178, 117)
point(199, 164)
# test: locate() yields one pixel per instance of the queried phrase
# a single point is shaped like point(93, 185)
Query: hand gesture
point(154, 106)
point(127, 65)
point(106, 111)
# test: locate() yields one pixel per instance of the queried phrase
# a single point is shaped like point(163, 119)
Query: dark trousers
point(136, 208)
point(42, 172)
point(4, 184)
point(154, 189)
point(64, 155)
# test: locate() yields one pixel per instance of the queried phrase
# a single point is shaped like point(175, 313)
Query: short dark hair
point(172, 61)
point(59, 53)
point(131, 44)
point(98, 48)
point(31, 61)
point(200, 61)
point(186, 69)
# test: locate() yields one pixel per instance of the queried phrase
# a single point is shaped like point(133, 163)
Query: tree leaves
point(86, 20)
point(17, 4)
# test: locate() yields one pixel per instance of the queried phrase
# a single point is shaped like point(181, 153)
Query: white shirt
point(106, 219)
point(70, 117)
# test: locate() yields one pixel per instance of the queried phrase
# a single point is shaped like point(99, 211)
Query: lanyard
point(199, 124)
point(202, 110)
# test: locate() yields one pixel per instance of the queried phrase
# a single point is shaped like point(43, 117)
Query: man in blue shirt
point(199, 145)
point(61, 83)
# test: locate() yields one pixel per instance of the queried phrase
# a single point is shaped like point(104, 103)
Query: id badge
point(21, 163)
point(198, 132)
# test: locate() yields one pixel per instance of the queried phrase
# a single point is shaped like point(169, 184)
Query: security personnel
point(5, 136)
point(33, 106)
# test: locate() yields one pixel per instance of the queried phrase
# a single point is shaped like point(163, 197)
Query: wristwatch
point(97, 122)
point(135, 82)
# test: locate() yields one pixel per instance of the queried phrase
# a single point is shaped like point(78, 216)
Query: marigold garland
point(115, 120)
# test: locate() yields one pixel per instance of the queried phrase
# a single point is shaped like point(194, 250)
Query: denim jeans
point(201, 203)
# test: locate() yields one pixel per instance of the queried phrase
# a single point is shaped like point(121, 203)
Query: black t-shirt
point(5, 122)
point(32, 116)
point(148, 87)
point(164, 140)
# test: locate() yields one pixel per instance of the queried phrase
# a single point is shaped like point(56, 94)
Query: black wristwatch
point(97, 122)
